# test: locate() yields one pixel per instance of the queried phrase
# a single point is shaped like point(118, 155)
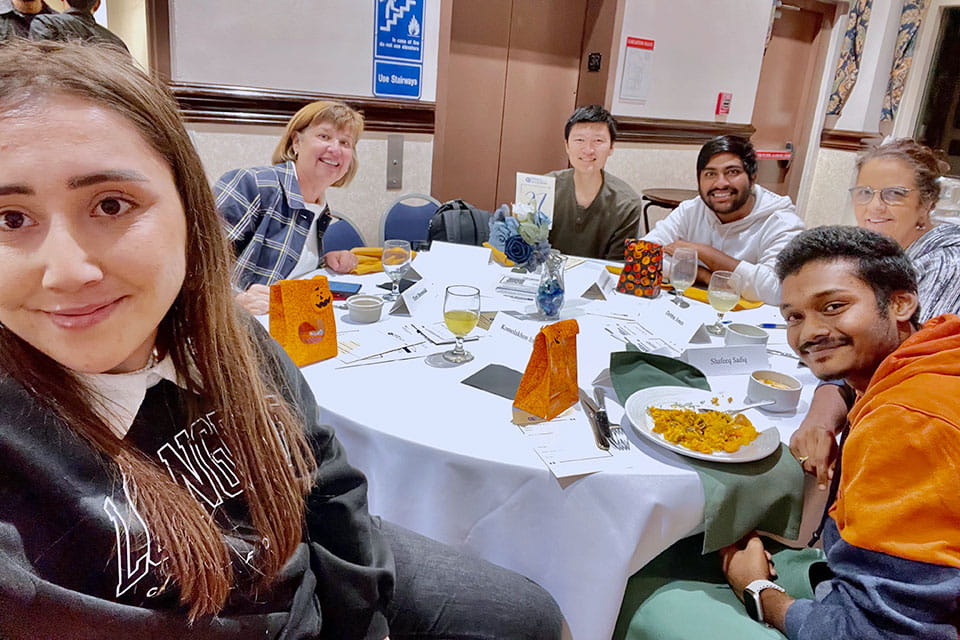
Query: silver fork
point(615, 433)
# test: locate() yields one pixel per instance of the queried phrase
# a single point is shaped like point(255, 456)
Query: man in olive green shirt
point(593, 212)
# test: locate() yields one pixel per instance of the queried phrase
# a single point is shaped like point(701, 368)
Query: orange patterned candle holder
point(642, 270)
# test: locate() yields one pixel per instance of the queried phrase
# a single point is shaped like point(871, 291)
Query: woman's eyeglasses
point(892, 196)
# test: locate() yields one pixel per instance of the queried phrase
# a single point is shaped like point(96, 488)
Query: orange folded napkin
point(499, 256)
point(699, 295)
point(369, 259)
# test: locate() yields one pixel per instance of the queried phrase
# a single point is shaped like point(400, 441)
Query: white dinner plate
point(766, 443)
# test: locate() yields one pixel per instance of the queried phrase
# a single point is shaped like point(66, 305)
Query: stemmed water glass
point(396, 261)
point(723, 294)
point(683, 273)
point(461, 311)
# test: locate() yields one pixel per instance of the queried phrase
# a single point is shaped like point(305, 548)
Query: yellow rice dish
point(705, 432)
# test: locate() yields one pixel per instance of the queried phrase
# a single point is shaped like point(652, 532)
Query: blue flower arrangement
point(521, 235)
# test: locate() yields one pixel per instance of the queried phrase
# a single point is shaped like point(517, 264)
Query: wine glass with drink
point(396, 261)
point(461, 311)
point(723, 294)
point(683, 273)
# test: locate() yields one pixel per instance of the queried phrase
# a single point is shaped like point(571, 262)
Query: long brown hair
point(202, 329)
point(336, 113)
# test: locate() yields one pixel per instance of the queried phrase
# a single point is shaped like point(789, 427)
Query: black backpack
point(461, 223)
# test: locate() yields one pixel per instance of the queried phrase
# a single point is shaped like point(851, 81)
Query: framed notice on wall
point(637, 70)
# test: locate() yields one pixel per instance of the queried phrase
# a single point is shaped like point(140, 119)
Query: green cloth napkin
point(634, 370)
point(739, 497)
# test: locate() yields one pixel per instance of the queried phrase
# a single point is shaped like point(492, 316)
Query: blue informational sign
point(398, 48)
point(396, 79)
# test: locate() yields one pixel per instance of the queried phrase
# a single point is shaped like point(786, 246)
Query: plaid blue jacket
point(266, 220)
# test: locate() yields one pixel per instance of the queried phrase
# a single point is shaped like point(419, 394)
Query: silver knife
point(603, 422)
point(591, 410)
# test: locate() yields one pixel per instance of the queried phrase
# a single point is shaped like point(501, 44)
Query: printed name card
point(410, 299)
point(674, 325)
point(506, 325)
point(728, 360)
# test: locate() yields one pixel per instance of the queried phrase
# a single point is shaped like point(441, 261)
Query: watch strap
point(751, 597)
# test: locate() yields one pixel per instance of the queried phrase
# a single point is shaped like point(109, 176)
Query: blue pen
point(771, 325)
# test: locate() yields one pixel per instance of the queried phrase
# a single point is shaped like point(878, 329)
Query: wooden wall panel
point(543, 68)
point(471, 78)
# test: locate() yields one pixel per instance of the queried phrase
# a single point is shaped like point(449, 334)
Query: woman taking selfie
point(163, 473)
point(276, 216)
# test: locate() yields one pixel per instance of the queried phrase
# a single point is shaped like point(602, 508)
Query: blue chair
point(406, 221)
point(341, 235)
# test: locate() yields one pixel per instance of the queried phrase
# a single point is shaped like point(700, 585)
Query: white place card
point(727, 360)
point(410, 299)
point(536, 192)
point(520, 330)
point(602, 288)
point(674, 325)
point(566, 444)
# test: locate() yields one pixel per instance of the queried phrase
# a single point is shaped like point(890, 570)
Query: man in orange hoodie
point(892, 534)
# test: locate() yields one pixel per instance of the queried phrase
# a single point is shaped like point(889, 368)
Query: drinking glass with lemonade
point(461, 311)
point(723, 294)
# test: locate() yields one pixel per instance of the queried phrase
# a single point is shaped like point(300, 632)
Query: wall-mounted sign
point(637, 69)
point(723, 104)
point(766, 154)
point(398, 48)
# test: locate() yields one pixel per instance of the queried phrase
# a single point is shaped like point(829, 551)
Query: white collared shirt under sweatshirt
point(755, 240)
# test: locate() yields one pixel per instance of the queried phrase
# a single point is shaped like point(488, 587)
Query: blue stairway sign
point(396, 79)
point(398, 48)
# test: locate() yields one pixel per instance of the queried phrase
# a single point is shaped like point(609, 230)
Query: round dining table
point(444, 459)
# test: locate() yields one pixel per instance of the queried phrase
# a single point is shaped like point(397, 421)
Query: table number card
point(731, 360)
point(409, 300)
point(536, 192)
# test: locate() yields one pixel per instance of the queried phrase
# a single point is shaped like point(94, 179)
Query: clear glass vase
point(551, 289)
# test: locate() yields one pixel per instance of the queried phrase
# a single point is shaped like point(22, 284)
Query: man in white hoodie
point(735, 224)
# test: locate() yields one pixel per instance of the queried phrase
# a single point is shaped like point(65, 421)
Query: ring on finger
point(802, 459)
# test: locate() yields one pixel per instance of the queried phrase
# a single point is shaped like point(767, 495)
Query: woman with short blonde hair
point(276, 216)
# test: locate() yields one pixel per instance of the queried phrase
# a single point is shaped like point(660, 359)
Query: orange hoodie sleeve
point(898, 494)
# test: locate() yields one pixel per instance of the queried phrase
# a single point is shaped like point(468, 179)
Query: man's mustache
point(820, 345)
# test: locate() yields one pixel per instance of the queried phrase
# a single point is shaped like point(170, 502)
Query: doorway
point(787, 90)
point(506, 86)
point(938, 126)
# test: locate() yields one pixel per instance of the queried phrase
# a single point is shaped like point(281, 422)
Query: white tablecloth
point(443, 459)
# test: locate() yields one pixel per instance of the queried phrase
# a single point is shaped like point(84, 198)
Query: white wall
point(323, 46)
point(702, 48)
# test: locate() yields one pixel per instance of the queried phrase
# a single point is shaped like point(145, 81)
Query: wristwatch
point(751, 597)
